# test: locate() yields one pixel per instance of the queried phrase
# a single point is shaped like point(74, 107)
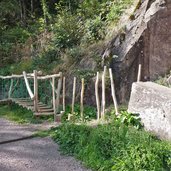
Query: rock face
point(147, 40)
point(153, 103)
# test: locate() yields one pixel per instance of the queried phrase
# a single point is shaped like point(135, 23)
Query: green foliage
point(20, 115)
point(85, 73)
point(45, 11)
point(90, 9)
point(11, 37)
point(18, 68)
point(15, 35)
point(67, 30)
point(75, 54)
point(75, 25)
point(70, 5)
point(114, 147)
point(129, 119)
point(116, 9)
point(94, 30)
point(89, 113)
point(9, 9)
point(47, 59)
point(25, 65)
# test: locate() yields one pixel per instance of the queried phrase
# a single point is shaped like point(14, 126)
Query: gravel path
point(35, 154)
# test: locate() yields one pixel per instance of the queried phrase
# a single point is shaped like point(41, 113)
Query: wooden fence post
point(113, 92)
point(73, 95)
point(82, 100)
point(103, 93)
point(64, 94)
point(139, 73)
point(58, 92)
point(35, 91)
point(53, 97)
point(97, 96)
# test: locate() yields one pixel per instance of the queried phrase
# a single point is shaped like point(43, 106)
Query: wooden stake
point(58, 92)
point(64, 94)
point(73, 95)
point(53, 97)
point(139, 73)
point(35, 91)
point(82, 100)
point(97, 96)
point(28, 86)
point(103, 93)
point(113, 92)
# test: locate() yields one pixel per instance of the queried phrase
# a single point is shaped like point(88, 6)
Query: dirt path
point(34, 154)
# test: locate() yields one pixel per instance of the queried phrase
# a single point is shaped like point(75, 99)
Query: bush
point(89, 113)
point(15, 35)
point(47, 59)
point(94, 30)
point(114, 147)
point(116, 9)
point(75, 54)
point(18, 68)
point(67, 30)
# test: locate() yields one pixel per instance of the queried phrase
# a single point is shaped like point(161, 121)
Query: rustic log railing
point(33, 82)
point(32, 101)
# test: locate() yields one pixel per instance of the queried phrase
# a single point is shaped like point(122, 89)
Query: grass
point(20, 115)
point(115, 147)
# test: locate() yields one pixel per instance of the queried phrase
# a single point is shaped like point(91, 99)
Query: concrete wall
point(153, 103)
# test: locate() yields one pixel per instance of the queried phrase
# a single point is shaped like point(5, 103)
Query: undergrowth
point(89, 113)
point(68, 32)
point(20, 115)
point(115, 147)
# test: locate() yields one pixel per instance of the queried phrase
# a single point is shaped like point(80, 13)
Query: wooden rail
point(31, 76)
point(33, 103)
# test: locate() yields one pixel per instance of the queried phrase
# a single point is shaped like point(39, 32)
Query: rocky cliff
point(146, 40)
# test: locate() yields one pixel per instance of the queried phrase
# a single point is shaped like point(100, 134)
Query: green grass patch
point(114, 147)
point(21, 115)
point(89, 113)
point(44, 133)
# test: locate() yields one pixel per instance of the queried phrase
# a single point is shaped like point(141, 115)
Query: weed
point(114, 147)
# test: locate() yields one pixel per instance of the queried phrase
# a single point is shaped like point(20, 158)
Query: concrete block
point(153, 103)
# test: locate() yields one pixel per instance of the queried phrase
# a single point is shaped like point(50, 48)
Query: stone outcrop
point(146, 40)
point(153, 103)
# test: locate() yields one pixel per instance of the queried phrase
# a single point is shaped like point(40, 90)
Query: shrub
point(75, 54)
point(114, 147)
point(89, 113)
point(116, 9)
point(67, 30)
point(47, 59)
point(129, 119)
point(15, 35)
point(94, 30)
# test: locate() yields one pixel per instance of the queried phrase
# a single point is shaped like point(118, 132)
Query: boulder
point(153, 104)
